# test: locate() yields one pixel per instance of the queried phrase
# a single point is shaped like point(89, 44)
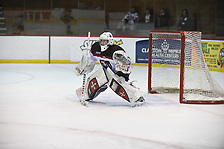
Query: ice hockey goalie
point(115, 71)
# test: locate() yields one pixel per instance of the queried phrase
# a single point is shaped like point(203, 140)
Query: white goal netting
point(178, 66)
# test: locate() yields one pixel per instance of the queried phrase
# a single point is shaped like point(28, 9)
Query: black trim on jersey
point(126, 76)
point(108, 53)
point(96, 50)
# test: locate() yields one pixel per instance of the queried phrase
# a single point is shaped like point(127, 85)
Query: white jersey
point(131, 17)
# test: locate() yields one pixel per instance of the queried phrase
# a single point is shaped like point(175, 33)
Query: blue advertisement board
point(142, 48)
point(164, 51)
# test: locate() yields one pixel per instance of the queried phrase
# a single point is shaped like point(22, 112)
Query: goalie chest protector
point(106, 57)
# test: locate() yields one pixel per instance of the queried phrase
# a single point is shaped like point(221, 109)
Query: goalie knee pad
point(125, 89)
point(97, 91)
point(95, 84)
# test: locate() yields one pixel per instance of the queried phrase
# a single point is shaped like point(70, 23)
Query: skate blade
point(84, 103)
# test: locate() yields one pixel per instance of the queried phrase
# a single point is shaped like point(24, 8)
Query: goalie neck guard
point(108, 37)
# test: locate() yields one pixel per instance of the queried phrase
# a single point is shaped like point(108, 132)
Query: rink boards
point(69, 49)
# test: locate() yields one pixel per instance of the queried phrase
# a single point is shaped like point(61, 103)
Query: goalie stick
point(83, 102)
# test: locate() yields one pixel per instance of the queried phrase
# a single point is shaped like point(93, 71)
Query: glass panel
point(128, 18)
point(145, 13)
point(220, 18)
point(187, 15)
point(206, 17)
point(13, 12)
point(77, 17)
point(65, 17)
point(91, 17)
point(115, 12)
point(37, 15)
point(165, 15)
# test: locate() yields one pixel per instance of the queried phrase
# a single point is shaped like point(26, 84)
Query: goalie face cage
point(176, 65)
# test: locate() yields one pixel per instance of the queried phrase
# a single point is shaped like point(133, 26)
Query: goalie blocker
point(99, 82)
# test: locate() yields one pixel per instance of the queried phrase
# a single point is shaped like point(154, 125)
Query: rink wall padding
point(23, 49)
point(53, 49)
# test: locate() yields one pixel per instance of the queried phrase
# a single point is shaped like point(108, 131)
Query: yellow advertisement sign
point(213, 52)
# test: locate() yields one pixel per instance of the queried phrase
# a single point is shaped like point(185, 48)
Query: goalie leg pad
point(124, 89)
point(95, 84)
point(97, 92)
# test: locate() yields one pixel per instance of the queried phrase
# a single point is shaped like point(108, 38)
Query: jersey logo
point(84, 45)
point(119, 42)
point(105, 64)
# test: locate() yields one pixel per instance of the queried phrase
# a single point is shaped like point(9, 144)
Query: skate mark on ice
point(112, 138)
point(12, 77)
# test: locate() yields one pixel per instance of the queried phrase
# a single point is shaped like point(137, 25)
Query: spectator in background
point(65, 16)
point(19, 24)
point(147, 15)
point(130, 19)
point(163, 18)
point(185, 22)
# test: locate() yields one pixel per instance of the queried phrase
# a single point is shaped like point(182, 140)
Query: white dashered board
point(24, 47)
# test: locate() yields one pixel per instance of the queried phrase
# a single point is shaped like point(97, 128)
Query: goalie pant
point(99, 81)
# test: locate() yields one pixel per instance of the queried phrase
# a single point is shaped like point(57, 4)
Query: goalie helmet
point(106, 39)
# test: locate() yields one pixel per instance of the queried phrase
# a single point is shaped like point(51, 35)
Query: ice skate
point(138, 102)
point(84, 102)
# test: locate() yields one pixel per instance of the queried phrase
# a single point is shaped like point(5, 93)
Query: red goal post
point(176, 65)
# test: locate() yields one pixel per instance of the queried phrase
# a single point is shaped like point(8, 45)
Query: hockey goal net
point(176, 65)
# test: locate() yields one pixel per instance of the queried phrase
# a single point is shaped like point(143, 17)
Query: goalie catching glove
point(122, 61)
point(85, 66)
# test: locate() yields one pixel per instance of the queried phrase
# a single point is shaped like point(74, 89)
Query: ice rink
point(40, 110)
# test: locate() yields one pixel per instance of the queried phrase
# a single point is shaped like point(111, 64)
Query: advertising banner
point(164, 51)
point(142, 49)
point(213, 52)
point(168, 52)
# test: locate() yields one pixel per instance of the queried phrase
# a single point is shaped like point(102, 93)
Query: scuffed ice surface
point(39, 109)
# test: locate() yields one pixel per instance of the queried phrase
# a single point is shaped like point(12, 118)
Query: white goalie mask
point(106, 39)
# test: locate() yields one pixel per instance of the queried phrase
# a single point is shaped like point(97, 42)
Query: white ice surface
point(40, 110)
